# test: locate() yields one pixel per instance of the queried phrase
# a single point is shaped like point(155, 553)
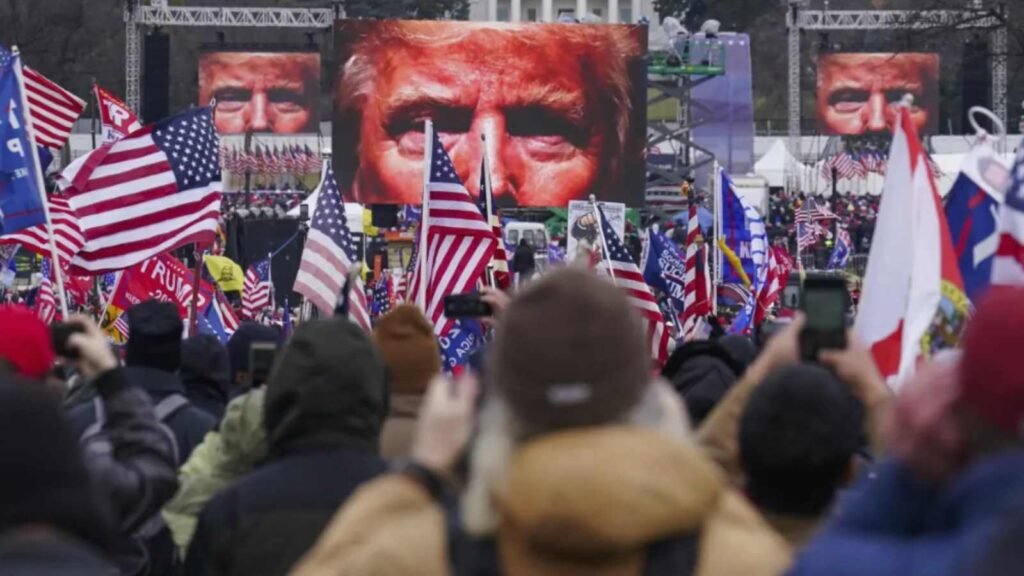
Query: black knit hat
point(43, 480)
point(329, 385)
point(570, 352)
point(154, 336)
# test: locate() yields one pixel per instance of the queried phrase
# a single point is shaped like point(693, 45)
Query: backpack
point(95, 441)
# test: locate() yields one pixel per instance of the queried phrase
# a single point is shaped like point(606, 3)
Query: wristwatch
point(425, 477)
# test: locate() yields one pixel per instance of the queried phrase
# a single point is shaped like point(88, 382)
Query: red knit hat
point(992, 381)
point(25, 341)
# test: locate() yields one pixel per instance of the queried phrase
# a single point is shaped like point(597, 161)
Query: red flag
point(116, 117)
point(162, 278)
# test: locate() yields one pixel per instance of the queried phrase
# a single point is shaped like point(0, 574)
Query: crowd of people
point(855, 212)
point(557, 451)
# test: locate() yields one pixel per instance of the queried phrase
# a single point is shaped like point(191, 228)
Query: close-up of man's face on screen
point(562, 108)
point(261, 91)
point(859, 93)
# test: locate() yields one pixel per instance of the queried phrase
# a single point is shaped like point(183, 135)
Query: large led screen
point(860, 93)
point(562, 106)
point(261, 91)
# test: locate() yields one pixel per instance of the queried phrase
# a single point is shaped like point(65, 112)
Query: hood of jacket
point(600, 497)
point(329, 386)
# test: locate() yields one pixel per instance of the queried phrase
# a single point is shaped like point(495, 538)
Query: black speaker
point(156, 77)
point(975, 82)
point(258, 238)
point(384, 215)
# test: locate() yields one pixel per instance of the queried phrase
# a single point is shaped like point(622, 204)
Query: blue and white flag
point(736, 230)
point(8, 266)
point(21, 200)
point(664, 269)
point(210, 322)
point(972, 214)
point(841, 252)
point(464, 337)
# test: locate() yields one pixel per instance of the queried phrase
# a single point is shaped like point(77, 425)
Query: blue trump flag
point(464, 337)
point(972, 208)
point(21, 204)
point(664, 268)
point(736, 230)
point(210, 323)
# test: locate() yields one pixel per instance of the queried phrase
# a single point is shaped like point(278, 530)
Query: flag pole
point(716, 203)
point(600, 231)
point(270, 280)
point(193, 317)
point(54, 255)
point(489, 204)
point(95, 111)
point(428, 140)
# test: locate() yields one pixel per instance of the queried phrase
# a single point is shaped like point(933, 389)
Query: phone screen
point(825, 309)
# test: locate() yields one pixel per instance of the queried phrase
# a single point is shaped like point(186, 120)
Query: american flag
point(65, 228)
point(329, 255)
point(499, 263)
point(121, 324)
point(46, 304)
point(459, 242)
point(153, 191)
point(1008, 264)
point(627, 276)
point(696, 295)
point(54, 109)
point(312, 161)
point(382, 297)
point(256, 289)
point(223, 309)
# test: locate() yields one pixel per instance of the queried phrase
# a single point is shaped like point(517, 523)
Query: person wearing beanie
point(206, 374)
point(579, 463)
point(25, 347)
point(955, 471)
point(153, 364)
point(407, 344)
point(323, 410)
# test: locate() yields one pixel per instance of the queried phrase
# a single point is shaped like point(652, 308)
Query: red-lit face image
point(860, 93)
point(261, 91)
point(556, 104)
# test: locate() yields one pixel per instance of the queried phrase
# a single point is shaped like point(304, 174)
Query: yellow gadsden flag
point(225, 273)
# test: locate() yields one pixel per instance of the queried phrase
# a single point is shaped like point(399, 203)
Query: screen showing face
point(860, 93)
point(261, 91)
point(562, 106)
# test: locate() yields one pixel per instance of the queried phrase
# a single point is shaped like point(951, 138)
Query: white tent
point(777, 163)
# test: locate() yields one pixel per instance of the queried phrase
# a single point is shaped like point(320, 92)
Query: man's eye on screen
point(408, 130)
point(285, 100)
point(232, 99)
point(848, 100)
point(545, 130)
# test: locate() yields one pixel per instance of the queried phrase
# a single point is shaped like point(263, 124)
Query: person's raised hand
point(784, 348)
point(94, 353)
point(499, 303)
point(445, 422)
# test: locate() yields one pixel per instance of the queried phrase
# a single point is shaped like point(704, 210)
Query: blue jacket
point(893, 524)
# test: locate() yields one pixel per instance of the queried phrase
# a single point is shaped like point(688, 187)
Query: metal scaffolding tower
point(136, 16)
point(975, 17)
